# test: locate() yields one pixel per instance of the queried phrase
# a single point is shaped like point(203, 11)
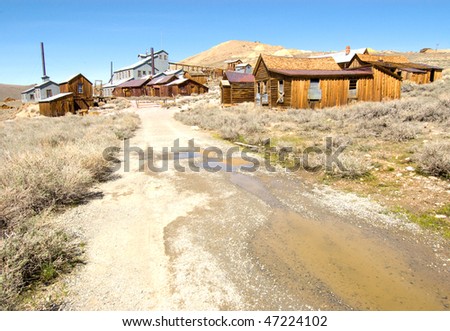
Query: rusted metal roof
point(325, 73)
point(162, 80)
point(134, 83)
point(239, 77)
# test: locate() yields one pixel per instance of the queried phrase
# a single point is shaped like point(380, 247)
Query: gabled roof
point(117, 82)
point(383, 58)
point(56, 97)
point(239, 77)
point(135, 82)
point(73, 77)
point(233, 61)
point(393, 61)
point(137, 64)
point(342, 57)
point(44, 84)
point(180, 81)
point(29, 90)
point(162, 80)
point(289, 63)
point(243, 65)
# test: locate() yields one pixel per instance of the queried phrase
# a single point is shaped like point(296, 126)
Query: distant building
point(44, 90)
point(343, 58)
point(144, 67)
point(237, 87)
point(244, 68)
point(231, 64)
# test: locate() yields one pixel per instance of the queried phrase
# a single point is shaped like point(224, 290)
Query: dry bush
point(434, 159)
point(354, 167)
point(46, 163)
point(36, 252)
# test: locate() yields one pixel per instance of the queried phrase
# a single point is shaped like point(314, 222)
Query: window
point(80, 88)
point(314, 92)
point(280, 91)
point(352, 90)
point(48, 93)
point(144, 73)
point(32, 97)
point(139, 73)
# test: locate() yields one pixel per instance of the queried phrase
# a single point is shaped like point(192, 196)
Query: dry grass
point(45, 164)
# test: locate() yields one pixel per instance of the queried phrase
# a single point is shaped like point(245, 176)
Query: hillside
point(247, 51)
point(12, 91)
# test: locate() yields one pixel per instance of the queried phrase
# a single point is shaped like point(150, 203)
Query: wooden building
point(82, 91)
point(182, 86)
point(237, 87)
point(284, 82)
point(57, 105)
point(198, 76)
point(132, 88)
point(416, 72)
point(153, 87)
point(343, 58)
point(231, 64)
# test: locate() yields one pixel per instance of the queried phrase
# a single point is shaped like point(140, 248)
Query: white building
point(138, 70)
point(44, 90)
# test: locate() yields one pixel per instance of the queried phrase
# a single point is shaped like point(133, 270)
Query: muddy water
point(365, 271)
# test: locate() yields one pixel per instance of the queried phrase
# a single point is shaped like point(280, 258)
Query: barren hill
point(12, 91)
point(247, 51)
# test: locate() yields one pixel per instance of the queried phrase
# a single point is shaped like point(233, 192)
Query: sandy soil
point(234, 240)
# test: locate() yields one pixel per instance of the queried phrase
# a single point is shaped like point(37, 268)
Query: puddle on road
point(358, 267)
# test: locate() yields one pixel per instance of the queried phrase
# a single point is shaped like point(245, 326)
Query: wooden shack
point(416, 72)
point(57, 105)
point(183, 86)
point(231, 64)
point(132, 88)
point(284, 82)
point(82, 90)
point(198, 76)
point(237, 87)
point(153, 87)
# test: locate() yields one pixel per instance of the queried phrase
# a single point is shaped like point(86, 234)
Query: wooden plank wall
point(226, 95)
point(242, 92)
point(300, 93)
point(57, 107)
point(437, 74)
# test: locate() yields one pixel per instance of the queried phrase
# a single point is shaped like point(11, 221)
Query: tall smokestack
point(112, 72)
point(153, 61)
point(44, 73)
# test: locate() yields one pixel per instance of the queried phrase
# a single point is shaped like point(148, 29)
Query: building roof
point(243, 65)
point(225, 82)
point(291, 63)
point(43, 84)
point(117, 83)
point(162, 80)
point(73, 77)
point(29, 90)
point(239, 77)
point(383, 58)
point(180, 81)
point(342, 57)
point(233, 61)
point(394, 61)
point(135, 82)
point(56, 97)
point(145, 59)
point(326, 73)
point(196, 73)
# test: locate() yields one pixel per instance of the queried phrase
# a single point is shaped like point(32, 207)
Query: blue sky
point(84, 36)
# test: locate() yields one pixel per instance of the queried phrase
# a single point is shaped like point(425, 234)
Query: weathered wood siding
point(242, 92)
point(381, 87)
point(82, 100)
point(226, 95)
point(437, 74)
point(57, 107)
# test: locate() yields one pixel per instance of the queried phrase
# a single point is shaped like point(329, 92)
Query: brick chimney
point(347, 50)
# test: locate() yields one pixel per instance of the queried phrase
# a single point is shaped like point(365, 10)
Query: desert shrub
point(36, 252)
point(434, 159)
point(399, 132)
point(354, 167)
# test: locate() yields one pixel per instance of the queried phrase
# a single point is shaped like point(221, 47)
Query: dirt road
point(233, 240)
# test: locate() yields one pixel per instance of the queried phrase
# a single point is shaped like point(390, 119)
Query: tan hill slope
point(247, 51)
point(12, 91)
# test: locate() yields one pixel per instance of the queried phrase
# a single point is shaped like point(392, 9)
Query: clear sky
point(85, 36)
